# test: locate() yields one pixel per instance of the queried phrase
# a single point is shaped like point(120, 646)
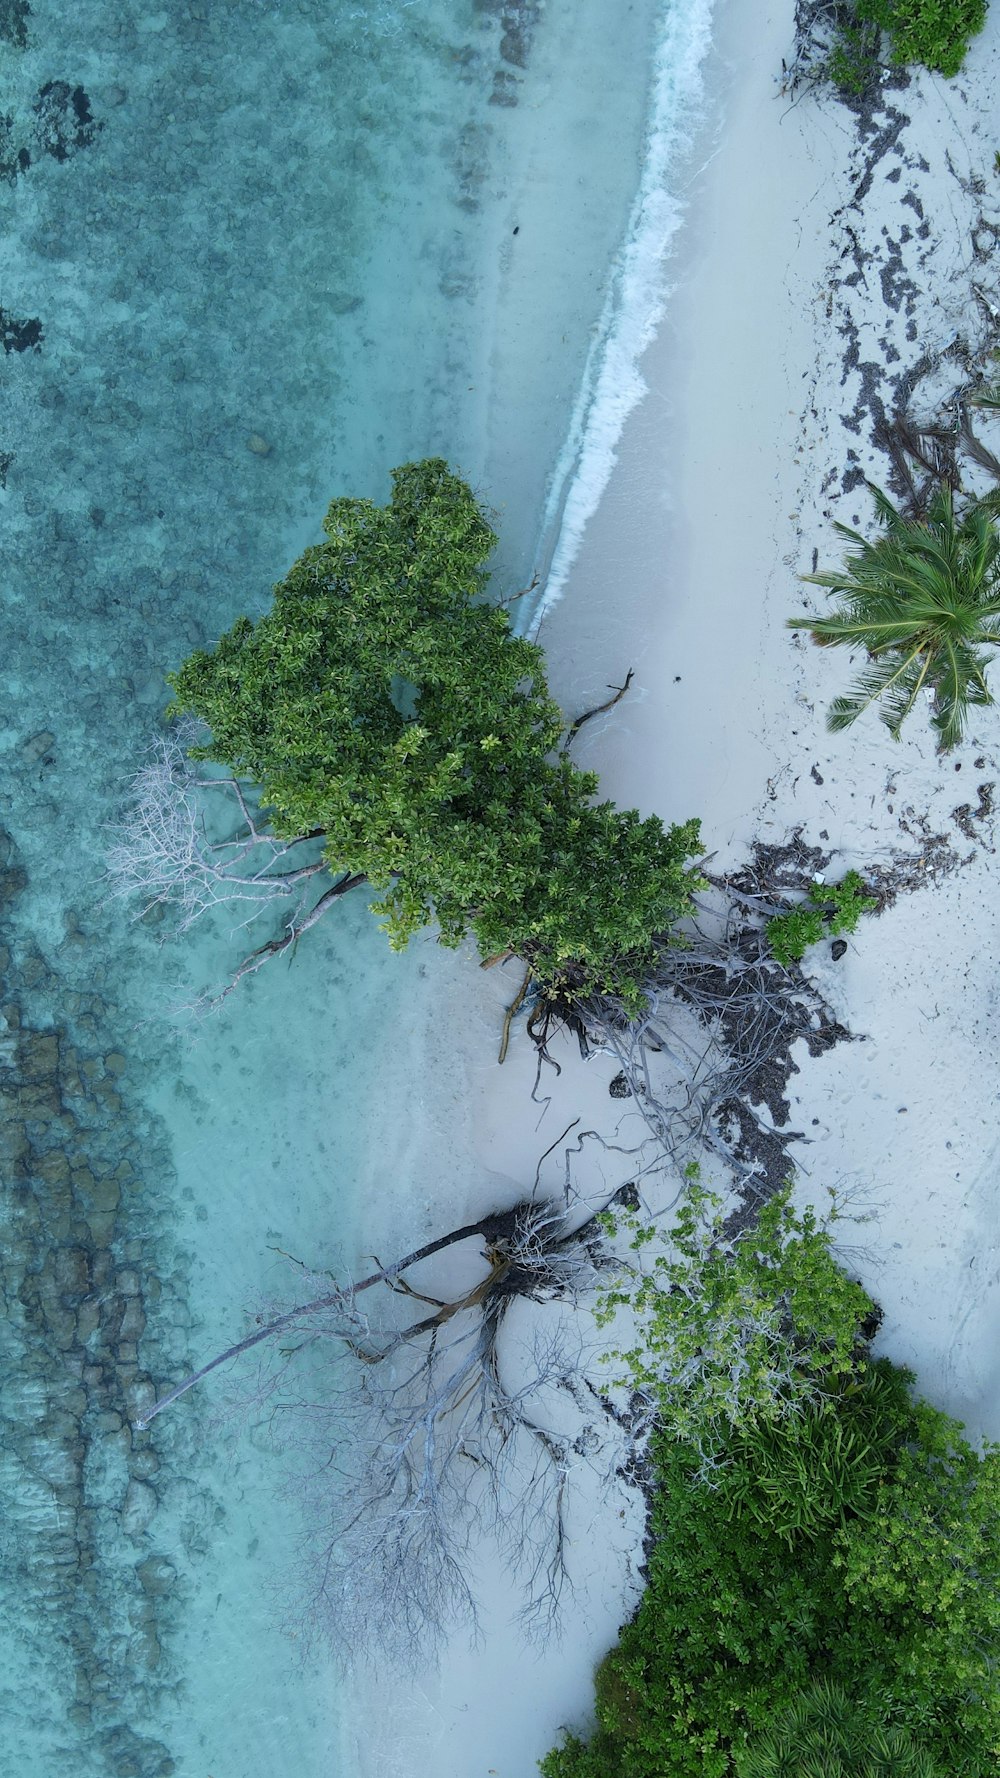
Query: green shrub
point(734, 1332)
point(934, 32)
point(853, 62)
point(827, 912)
point(384, 706)
point(825, 1734)
point(891, 1592)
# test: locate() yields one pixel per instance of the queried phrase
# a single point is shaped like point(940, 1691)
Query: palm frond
point(975, 448)
point(920, 599)
point(959, 685)
point(990, 501)
point(878, 680)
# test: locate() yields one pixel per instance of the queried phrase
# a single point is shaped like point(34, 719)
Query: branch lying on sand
point(414, 1432)
point(598, 710)
point(708, 1062)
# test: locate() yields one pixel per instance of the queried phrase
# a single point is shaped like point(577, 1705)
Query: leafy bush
point(934, 32)
point(826, 912)
point(735, 1333)
point(888, 1587)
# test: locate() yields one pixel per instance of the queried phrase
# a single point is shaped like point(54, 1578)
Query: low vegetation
point(824, 1580)
point(827, 911)
point(933, 33)
point(735, 1334)
point(936, 33)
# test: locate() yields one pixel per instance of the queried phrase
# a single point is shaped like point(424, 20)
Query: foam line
point(613, 383)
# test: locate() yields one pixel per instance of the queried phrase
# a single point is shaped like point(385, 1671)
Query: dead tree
point(195, 843)
point(421, 1421)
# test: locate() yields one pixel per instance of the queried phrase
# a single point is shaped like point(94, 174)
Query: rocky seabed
point(86, 1302)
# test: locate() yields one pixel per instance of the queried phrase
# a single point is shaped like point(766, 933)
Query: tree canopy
point(384, 705)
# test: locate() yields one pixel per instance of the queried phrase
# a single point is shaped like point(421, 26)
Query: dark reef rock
point(20, 336)
point(65, 123)
point(13, 160)
point(14, 16)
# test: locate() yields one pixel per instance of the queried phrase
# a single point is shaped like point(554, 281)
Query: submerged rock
point(36, 746)
point(156, 1574)
point(140, 1508)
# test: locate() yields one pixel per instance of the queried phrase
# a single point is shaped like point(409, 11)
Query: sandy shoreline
point(819, 266)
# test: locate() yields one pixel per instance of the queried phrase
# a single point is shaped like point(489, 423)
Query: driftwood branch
point(599, 710)
point(513, 1008)
point(491, 1228)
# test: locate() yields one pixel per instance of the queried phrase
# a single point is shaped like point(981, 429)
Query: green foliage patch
point(922, 599)
point(827, 911)
point(853, 63)
point(936, 33)
point(825, 1572)
point(826, 1735)
point(889, 1587)
point(737, 1334)
point(384, 704)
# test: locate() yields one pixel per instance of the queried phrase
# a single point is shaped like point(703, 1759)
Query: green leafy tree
point(887, 1587)
point(737, 1332)
point(923, 599)
point(383, 707)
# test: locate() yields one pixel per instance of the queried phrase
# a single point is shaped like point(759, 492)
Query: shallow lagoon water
point(254, 255)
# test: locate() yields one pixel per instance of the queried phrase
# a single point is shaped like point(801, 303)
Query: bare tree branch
point(414, 1435)
point(196, 842)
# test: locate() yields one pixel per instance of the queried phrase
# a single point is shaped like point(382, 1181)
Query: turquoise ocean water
point(253, 256)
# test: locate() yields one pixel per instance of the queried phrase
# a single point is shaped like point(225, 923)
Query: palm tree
point(825, 1735)
point(923, 599)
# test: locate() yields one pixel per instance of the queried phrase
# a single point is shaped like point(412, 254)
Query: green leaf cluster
point(923, 601)
point(856, 1549)
point(737, 1334)
point(825, 913)
point(383, 703)
point(934, 32)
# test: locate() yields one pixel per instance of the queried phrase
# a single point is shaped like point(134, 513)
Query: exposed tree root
point(414, 1436)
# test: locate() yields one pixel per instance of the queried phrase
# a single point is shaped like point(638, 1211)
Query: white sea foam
point(613, 384)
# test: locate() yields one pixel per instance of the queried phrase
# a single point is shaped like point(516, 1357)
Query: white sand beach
point(820, 265)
